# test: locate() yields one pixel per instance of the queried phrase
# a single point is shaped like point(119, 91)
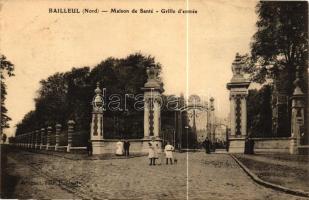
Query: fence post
point(42, 137)
point(18, 141)
point(25, 140)
point(49, 130)
point(71, 124)
point(33, 140)
point(37, 132)
point(28, 140)
point(58, 129)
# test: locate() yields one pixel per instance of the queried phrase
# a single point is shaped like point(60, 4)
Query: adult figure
point(247, 146)
point(126, 146)
point(168, 149)
point(89, 148)
point(251, 146)
point(152, 150)
point(206, 145)
point(119, 148)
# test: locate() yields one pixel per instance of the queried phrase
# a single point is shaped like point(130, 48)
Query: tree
point(65, 96)
point(11, 140)
point(259, 121)
point(281, 41)
point(278, 47)
point(78, 96)
point(29, 123)
point(51, 102)
point(123, 77)
point(6, 68)
point(4, 137)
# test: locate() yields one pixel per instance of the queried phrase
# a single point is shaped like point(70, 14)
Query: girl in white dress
point(119, 148)
point(169, 153)
point(151, 154)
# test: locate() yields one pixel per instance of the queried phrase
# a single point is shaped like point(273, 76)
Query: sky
point(195, 50)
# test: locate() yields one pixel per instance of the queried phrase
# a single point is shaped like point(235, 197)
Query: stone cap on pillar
point(59, 126)
point(238, 80)
point(298, 95)
point(153, 81)
point(238, 85)
point(71, 123)
point(98, 101)
point(237, 69)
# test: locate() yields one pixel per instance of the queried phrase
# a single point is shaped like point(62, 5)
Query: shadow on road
point(8, 182)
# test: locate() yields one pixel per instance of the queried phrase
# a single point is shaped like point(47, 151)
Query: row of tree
point(65, 96)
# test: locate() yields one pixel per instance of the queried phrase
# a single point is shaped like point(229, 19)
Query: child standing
point(169, 153)
point(151, 154)
point(119, 148)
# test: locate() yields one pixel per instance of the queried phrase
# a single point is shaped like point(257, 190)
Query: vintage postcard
point(166, 99)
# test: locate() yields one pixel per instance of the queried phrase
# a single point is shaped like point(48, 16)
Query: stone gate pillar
point(238, 107)
point(298, 116)
point(96, 132)
point(152, 104)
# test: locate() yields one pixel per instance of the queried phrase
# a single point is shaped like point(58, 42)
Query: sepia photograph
point(166, 99)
